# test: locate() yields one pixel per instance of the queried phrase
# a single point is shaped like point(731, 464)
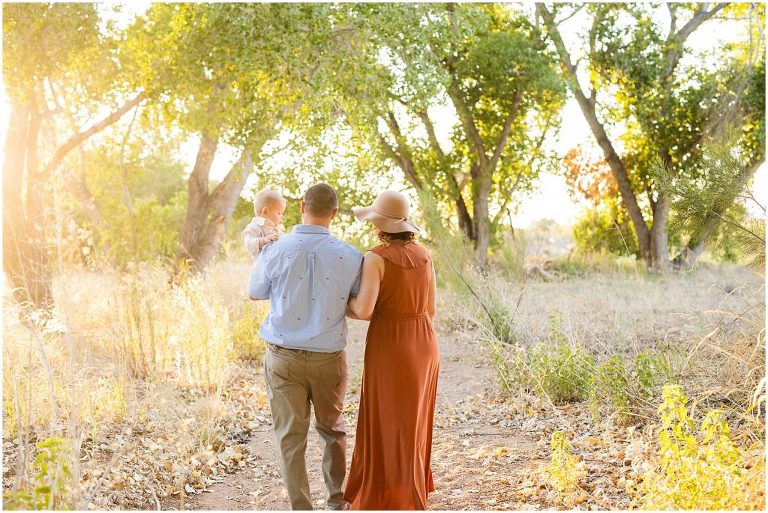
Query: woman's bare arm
point(352, 314)
point(370, 281)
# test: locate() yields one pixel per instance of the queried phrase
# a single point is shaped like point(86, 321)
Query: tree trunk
point(465, 220)
point(688, 256)
point(26, 195)
point(221, 204)
point(587, 106)
point(208, 215)
point(39, 275)
point(24, 254)
point(197, 214)
point(23, 237)
point(481, 188)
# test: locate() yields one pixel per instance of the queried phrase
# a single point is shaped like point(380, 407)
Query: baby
point(268, 205)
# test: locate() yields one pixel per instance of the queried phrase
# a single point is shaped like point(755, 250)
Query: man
point(308, 276)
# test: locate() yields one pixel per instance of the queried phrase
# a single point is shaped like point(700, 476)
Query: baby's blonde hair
point(265, 197)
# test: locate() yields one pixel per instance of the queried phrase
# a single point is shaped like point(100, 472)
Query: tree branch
point(403, 153)
point(465, 220)
point(676, 40)
point(80, 137)
point(465, 115)
point(431, 134)
point(505, 131)
point(222, 199)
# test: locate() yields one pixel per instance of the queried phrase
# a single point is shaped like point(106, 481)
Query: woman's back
point(405, 289)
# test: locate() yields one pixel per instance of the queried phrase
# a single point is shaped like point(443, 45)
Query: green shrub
point(500, 321)
point(646, 376)
point(659, 367)
point(50, 484)
point(562, 371)
point(558, 368)
point(699, 469)
point(610, 387)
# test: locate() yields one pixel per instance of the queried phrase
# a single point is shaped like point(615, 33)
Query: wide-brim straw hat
point(389, 213)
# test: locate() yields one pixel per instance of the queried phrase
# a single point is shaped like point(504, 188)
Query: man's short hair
point(320, 200)
point(265, 198)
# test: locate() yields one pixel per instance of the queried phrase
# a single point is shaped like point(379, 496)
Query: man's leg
point(289, 402)
point(328, 383)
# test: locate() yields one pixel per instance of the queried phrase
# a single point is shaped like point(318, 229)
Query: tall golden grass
point(118, 346)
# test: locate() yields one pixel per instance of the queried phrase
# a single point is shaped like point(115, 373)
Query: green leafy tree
point(236, 74)
point(59, 71)
point(493, 69)
point(641, 74)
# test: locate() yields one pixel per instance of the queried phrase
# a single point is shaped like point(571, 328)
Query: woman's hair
point(387, 237)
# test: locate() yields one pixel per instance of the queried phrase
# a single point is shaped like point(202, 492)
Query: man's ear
point(334, 212)
point(301, 207)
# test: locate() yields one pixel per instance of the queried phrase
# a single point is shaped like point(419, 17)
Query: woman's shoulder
point(409, 255)
point(380, 249)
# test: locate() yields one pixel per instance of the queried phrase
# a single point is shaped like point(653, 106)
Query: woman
point(391, 463)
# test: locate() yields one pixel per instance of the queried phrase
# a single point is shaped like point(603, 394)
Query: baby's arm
point(270, 236)
point(251, 238)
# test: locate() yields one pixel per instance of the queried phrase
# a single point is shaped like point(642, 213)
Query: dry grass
point(710, 322)
point(145, 382)
point(120, 353)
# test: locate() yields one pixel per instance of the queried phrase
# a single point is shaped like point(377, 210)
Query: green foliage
point(500, 319)
point(211, 67)
point(660, 366)
point(485, 61)
point(610, 386)
point(707, 209)
point(606, 228)
point(139, 198)
point(561, 371)
point(558, 369)
point(639, 67)
point(245, 333)
point(562, 468)
point(753, 129)
point(699, 468)
point(646, 377)
point(50, 484)
point(451, 252)
point(45, 41)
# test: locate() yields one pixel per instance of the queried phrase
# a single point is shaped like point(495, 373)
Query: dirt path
point(472, 449)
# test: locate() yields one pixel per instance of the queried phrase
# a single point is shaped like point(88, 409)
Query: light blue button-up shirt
point(308, 275)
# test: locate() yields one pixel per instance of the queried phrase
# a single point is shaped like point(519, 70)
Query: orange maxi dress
point(390, 466)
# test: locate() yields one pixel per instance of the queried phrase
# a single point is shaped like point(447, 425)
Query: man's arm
point(260, 283)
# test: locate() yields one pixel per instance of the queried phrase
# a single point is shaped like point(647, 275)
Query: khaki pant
point(296, 378)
